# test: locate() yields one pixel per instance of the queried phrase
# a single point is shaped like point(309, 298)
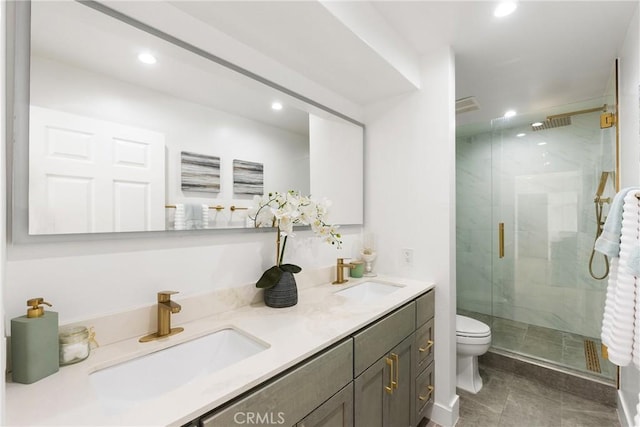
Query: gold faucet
point(165, 308)
point(340, 271)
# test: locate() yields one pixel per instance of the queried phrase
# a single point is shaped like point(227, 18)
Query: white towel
point(205, 216)
point(609, 241)
point(621, 319)
point(636, 419)
point(607, 318)
point(179, 218)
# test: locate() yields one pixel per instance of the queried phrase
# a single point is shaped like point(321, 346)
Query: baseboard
point(446, 416)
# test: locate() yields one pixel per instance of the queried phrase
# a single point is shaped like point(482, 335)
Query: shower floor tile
point(560, 348)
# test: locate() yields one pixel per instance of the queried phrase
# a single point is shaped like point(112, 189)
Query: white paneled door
point(92, 176)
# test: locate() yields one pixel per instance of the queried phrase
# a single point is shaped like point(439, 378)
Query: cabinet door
point(384, 392)
point(401, 402)
point(371, 391)
point(335, 412)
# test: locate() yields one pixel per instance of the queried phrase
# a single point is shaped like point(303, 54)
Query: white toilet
point(473, 338)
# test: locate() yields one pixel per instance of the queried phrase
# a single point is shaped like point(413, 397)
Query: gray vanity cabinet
point(383, 389)
point(381, 376)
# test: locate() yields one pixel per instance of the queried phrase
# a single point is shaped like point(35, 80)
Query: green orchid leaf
point(269, 278)
point(290, 268)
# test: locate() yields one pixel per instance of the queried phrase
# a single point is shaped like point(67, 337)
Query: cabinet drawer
point(424, 393)
point(382, 336)
point(424, 345)
point(335, 412)
point(294, 395)
point(425, 307)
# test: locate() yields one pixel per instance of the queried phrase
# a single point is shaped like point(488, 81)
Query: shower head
point(564, 119)
point(551, 123)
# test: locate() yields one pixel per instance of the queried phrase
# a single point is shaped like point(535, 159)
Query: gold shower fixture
point(607, 120)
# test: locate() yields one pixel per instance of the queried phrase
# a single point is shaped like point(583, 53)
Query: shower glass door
point(544, 302)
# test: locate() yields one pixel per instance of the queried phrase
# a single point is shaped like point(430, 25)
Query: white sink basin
point(122, 386)
point(368, 291)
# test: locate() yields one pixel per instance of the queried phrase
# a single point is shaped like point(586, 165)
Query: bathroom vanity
point(364, 359)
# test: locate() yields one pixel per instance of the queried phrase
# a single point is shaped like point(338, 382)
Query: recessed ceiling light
point(536, 124)
point(542, 143)
point(147, 58)
point(505, 8)
point(276, 106)
point(509, 113)
point(520, 135)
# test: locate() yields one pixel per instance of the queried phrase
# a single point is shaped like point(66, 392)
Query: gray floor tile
point(572, 402)
point(543, 349)
point(507, 400)
point(474, 414)
point(588, 419)
point(524, 408)
point(495, 388)
point(531, 386)
point(539, 332)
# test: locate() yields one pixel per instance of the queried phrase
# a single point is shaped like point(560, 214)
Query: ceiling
point(545, 57)
point(546, 54)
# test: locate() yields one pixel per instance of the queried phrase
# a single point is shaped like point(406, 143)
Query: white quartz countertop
point(293, 334)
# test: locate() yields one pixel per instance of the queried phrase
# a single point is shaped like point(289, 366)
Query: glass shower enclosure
point(526, 225)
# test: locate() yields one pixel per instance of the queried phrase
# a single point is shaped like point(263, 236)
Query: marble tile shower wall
point(542, 187)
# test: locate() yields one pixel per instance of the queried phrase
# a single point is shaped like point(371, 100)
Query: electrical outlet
point(407, 256)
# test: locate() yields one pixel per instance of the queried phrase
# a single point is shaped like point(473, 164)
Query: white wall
point(3, 203)
point(410, 201)
point(338, 146)
point(629, 100)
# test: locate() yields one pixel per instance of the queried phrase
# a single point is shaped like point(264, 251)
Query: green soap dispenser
point(34, 343)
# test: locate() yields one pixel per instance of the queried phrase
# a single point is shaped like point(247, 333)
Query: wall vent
point(465, 105)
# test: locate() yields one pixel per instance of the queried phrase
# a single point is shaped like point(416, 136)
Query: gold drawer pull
point(396, 360)
point(428, 396)
point(429, 345)
point(389, 388)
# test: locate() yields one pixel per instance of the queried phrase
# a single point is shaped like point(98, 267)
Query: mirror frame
point(18, 66)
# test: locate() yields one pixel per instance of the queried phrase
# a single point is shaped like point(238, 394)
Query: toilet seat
point(471, 328)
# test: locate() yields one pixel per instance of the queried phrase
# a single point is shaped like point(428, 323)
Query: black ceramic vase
point(284, 293)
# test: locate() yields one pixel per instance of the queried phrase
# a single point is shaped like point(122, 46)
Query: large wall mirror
point(130, 130)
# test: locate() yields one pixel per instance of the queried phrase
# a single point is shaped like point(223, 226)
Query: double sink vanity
point(357, 354)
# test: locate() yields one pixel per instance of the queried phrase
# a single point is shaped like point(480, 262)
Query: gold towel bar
point(236, 208)
point(218, 208)
point(232, 208)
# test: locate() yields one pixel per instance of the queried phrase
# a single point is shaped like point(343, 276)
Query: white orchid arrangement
point(283, 211)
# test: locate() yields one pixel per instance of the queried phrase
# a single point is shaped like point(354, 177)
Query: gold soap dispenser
point(34, 343)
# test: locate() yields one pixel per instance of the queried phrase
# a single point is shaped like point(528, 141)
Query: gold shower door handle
point(501, 240)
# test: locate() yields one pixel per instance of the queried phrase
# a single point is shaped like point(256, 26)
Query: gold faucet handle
point(165, 296)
